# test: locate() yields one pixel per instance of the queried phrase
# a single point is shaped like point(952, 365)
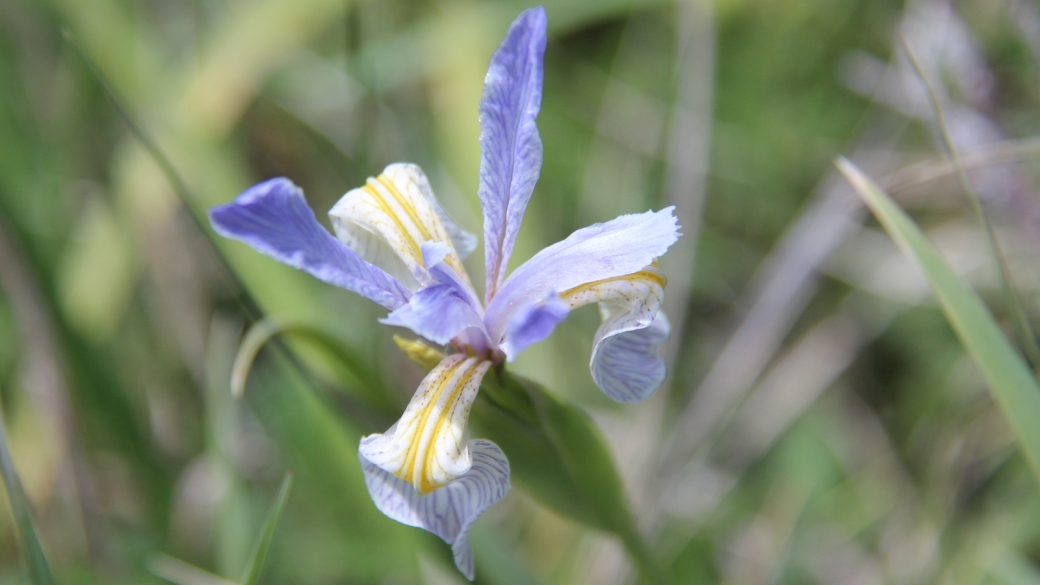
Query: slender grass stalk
point(1008, 151)
point(32, 552)
point(258, 559)
point(1013, 386)
point(247, 304)
point(1023, 328)
point(181, 573)
point(267, 330)
point(180, 186)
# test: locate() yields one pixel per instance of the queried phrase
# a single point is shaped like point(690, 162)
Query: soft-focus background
point(821, 423)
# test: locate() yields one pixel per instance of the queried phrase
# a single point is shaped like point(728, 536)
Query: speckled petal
point(425, 447)
point(602, 251)
point(624, 362)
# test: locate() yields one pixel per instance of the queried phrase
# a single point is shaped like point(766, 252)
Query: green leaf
point(32, 553)
point(560, 457)
point(257, 560)
point(1013, 386)
point(320, 443)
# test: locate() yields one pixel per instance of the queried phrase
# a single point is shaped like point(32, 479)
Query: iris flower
point(395, 245)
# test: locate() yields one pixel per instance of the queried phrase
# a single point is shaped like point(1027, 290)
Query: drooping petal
point(511, 149)
point(625, 363)
point(640, 293)
point(425, 447)
point(273, 217)
point(602, 251)
point(451, 511)
point(532, 324)
point(399, 208)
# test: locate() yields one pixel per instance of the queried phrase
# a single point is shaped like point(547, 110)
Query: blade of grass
point(32, 553)
point(365, 381)
point(1024, 330)
point(1009, 379)
point(181, 573)
point(257, 560)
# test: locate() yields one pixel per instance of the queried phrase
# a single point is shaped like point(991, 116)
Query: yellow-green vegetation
point(850, 395)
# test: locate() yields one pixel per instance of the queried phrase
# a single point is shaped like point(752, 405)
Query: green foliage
point(557, 452)
point(33, 558)
point(845, 436)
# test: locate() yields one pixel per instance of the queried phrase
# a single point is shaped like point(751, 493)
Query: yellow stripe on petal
point(426, 447)
point(399, 208)
point(643, 289)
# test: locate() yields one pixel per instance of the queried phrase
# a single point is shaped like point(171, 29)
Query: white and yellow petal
point(624, 362)
point(449, 512)
point(640, 292)
point(426, 447)
point(387, 220)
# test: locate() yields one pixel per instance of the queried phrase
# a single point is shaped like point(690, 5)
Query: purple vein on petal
point(274, 218)
point(511, 148)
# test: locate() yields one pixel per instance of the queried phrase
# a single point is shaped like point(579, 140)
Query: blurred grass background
point(821, 423)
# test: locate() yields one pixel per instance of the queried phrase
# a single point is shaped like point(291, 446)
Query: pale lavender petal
point(511, 149)
point(625, 364)
point(273, 217)
point(434, 254)
point(605, 250)
point(436, 312)
point(440, 311)
point(450, 511)
point(532, 324)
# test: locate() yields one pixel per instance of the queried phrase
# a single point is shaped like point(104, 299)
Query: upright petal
point(442, 310)
point(434, 256)
point(273, 217)
point(424, 448)
point(622, 246)
point(449, 512)
point(511, 149)
point(398, 209)
point(436, 312)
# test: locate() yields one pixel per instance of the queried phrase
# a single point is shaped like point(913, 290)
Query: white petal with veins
point(425, 447)
point(399, 208)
